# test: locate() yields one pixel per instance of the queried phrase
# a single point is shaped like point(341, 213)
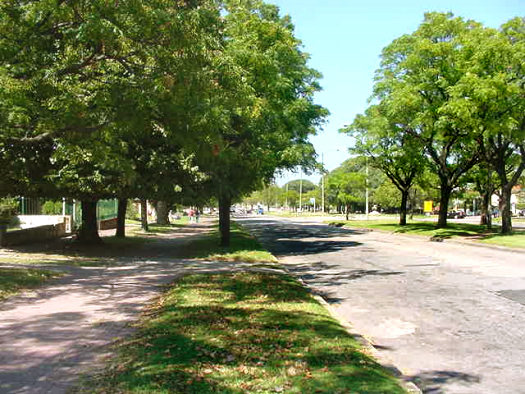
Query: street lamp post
point(322, 183)
point(286, 197)
point(366, 187)
point(301, 190)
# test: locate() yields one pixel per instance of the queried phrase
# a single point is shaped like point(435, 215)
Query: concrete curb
point(486, 246)
point(367, 344)
point(454, 241)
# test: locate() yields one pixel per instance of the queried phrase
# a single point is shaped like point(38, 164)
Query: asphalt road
point(450, 316)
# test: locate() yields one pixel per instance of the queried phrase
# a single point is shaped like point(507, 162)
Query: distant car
point(456, 215)
point(260, 211)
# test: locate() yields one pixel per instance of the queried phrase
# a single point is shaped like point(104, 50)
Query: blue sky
point(344, 39)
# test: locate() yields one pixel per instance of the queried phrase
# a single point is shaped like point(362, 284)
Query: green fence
point(107, 209)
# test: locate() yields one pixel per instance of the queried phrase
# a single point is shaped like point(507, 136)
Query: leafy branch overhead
point(141, 98)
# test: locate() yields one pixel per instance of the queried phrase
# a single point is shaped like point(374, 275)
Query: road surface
point(450, 316)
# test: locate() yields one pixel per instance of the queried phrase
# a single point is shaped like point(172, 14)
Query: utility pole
point(301, 190)
point(366, 190)
point(286, 196)
point(322, 183)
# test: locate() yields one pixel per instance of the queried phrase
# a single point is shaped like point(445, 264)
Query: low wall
point(30, 221)
point(107, 224)
point(34, 234)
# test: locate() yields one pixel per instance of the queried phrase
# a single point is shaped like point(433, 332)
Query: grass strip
point(243, 247)
point(237, 333)
point(515, 240)
point(453, 230)
point(418, 227)
point(13, 280)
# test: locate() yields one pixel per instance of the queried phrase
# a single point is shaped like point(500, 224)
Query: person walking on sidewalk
point(197, 215)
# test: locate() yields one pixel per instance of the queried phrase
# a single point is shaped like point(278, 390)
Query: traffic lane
point(436, 310)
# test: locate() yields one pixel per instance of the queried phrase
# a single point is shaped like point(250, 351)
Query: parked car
point(456, 215)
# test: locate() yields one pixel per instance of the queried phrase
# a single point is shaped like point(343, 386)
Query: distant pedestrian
point(191, 214)
point(197, 215)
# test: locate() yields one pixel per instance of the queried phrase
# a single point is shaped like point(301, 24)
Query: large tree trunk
point(347, 211)
point(506, 214)
point(486, 214)
point(162, 212)
point(403, 208)
point(88, 233)
point(224, 219)
point(144, 215)
point(3, 231)
point(443, 205)
point(121, 217)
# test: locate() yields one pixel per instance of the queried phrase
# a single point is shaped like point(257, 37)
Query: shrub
point(51, 207)
point(8, 211)
point(132, 212)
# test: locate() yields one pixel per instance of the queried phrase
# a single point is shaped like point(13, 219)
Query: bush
point(8, 211)
point(132, 212)
point(51, 207)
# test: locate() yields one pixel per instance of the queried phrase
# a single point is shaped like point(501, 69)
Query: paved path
point(51, 336)
point(450, 316)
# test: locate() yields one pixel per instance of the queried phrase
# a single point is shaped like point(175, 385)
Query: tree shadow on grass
point(148, 245)
point(430, 229)
point(258, 340)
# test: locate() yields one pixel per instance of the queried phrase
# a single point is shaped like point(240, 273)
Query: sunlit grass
point(239, 333)
point(243, 247)
point(13, 280)
point(515, 240)
point(453, 230)
point(418, 227)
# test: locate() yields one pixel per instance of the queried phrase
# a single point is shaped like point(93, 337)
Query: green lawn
point(243, 247)
point(515, 240)
point(238, 333)
point(418, 227)
point(13, 280)
point(453, 230)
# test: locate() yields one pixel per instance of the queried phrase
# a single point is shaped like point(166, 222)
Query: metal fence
point(106, 209)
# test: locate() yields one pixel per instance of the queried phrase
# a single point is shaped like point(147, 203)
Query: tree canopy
point(150, 99)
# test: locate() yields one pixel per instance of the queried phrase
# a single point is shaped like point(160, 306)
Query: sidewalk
point(51, 336)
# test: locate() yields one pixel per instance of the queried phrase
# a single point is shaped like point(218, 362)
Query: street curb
point(486, 246)
point(367, 344)
point(454, 241)
point(368, 347)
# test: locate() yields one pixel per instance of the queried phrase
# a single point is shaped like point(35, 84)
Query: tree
point(417, 74)
point(266, 110)
point(82, 82)
point(271, 195)
point(490, 98)
point(387, 196)
point(380, 136)
point(296, 185)
point(347, 187)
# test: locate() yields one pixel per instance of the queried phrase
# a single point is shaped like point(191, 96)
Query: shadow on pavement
point(432, 382)
point(294, 239)
point(293, 231)
point(291, 247)
point(323, 274)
